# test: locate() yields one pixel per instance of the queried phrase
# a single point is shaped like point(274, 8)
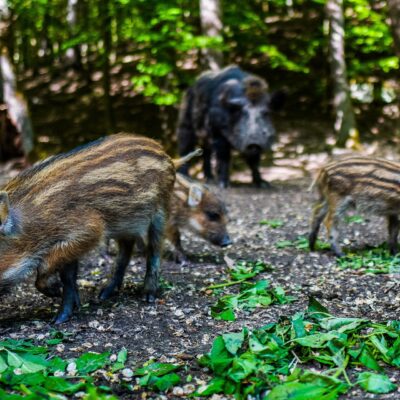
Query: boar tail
point(178, 162)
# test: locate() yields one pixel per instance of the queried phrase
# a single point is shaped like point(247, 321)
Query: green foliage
point(158, 376)
point(376, 261)
point(301, 243)
point(272, 223)
point(31, 371)
point(248, 363)
point(250, 296)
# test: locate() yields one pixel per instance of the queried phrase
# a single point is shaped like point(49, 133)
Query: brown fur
point(196, 218)
point(370, 184)
point(255, 88)
point(117, 187)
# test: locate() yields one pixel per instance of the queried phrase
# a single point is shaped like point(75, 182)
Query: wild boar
point(370, 184)
point(53, 213)
point(196, 207)
point(228, 109)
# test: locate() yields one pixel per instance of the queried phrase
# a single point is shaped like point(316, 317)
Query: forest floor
point(180, 327)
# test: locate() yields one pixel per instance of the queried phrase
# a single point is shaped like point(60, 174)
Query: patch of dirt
point(179, 326)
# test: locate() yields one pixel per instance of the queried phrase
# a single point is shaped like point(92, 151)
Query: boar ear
point(277, 100)
point(4, 207)
point(195, 195)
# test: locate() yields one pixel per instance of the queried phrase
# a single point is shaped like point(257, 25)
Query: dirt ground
point(179, 326)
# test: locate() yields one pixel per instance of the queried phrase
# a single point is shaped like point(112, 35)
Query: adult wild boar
point(224, 110)
point(55, 212)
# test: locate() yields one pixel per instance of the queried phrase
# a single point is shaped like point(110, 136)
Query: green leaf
point(375, 383)
point(166, 382)
point(156, 368)
point(342, 324)
point(216, 385)
point(317, 340)
point(316, 309)
point(90, 362)
point(62, 385)
point(233, 341)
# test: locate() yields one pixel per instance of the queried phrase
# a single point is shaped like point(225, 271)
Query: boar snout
point(226, 241)
point(252, 150)
point(222, 241)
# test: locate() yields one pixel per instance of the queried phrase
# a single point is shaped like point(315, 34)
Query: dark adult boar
point(228, 109)
point(53, 213)
point(196, 207)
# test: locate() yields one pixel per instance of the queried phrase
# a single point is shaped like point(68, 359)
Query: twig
point(229, 283)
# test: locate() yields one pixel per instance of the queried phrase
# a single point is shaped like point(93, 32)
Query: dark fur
point(224, 110)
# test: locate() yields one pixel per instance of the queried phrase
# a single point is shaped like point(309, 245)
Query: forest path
point(180, 326)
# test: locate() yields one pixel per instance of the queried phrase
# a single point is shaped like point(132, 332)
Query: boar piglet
point(55, 212)
point(196, 207)
point(224, 110)
point(372, 185)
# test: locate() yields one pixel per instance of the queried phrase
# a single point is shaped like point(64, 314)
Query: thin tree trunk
point(74, 55)
point(211, 24)
point(394, 15)
point(345, 123)
point(107, 43)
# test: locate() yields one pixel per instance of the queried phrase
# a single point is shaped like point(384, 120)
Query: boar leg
point(331, 223)
point(153, 257)
point(254, 164)
point(70, 299)
point(124, 255)
point(174, 237)
point(223, 153)
point(393, 225)
point(207, 163)
point(319, 214)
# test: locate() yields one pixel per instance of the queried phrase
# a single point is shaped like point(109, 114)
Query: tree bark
point(394, 15)
point(211, 24)
point(74, 55)
point(345, 123)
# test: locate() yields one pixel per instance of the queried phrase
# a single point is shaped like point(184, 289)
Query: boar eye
point(212, 216)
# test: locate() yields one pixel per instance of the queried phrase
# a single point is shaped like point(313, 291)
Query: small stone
point(127, 373)
point(177, 391)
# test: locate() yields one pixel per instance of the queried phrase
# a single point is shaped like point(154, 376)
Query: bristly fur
point(255, 87)
point(196, 218)
point(118, 187)
point(370, 184)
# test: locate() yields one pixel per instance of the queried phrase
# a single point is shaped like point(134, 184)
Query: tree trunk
point(16, 133)
point(394, 14)
point(74, 55)
point(104, 8)
point(211, 24)
point(345, 124)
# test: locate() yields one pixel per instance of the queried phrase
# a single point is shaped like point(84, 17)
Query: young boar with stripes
point(55, 212)
point(372, 185)
point(196, 207)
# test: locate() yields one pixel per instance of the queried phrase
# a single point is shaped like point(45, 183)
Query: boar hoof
point(223, 185)
point(263, 185)
point(62, 317)
point(106, 293)
point(150, 298)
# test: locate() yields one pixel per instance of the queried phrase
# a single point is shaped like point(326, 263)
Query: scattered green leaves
point(376, 261)
point(272, 223)
point(250, 296)
point(158, 376)
point(248, 363)
point(34, 372)
point(301, 243)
